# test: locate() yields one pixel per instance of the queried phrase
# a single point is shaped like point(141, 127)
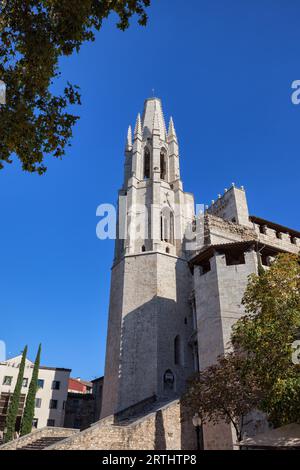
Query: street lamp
point(197, 423)
point(2, 92)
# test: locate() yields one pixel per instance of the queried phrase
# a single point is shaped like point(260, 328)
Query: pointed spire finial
point(172, 132)
point(138, 126)
point(129, 139)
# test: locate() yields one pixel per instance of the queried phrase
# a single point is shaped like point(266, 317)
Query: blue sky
point(224, 71)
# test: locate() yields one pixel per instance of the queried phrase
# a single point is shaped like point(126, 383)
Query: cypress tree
point(15, 400)
point(30, 400)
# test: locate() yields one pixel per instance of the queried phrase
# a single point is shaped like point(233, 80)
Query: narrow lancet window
point(167, 226)
point(163, 165)
point(146, 163)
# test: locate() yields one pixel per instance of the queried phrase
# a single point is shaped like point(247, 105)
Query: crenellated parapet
point(283, 238)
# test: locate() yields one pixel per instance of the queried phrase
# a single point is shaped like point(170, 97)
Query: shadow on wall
point(141, 362)
point(140, 352)
point(188, 432)
point(148, 359)
point(160, 436)
point(174, 429)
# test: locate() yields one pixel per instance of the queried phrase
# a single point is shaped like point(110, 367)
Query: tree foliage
point(28, 415)
point(34, 34)
point(224, 392)
point(259, 373)
point(267, 334)
point(15, 401)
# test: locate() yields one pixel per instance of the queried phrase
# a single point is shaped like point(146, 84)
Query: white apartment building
point(51, 394)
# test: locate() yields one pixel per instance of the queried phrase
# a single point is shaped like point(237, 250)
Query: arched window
point(146, 163)
point(163, 165)
point(169, 381)
point(171, 228)
point(167, 225)
point(143, 248)
point(177, 351)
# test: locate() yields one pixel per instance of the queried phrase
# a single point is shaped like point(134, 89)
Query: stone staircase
point(42, 443)
point(125, 418)
point(165, 426)
point(151, 426)
point(40, 439)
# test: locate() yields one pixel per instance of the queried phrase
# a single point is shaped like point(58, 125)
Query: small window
point(51, 423)
point(7, 380)
point(205, 267)
point(185, 321)
point(35, 422)
point(293, 240)
point(53, 404)
point(55, 385)
point(25, 382)
point(234, 259)
point(143, 248)
point(38, 402)
point(265, 260)
point(40, 383)
point(167, 250)
point(279, 235)
point(263, 229)
point(169, 380)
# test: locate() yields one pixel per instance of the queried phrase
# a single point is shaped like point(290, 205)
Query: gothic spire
point(153, 118)
point(138, 127)
point(129, 139)
point(172, 133)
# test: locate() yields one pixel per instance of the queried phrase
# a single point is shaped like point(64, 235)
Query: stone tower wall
point(150, 318)
point(149, 308)
point(232, 206)
point(218, 295)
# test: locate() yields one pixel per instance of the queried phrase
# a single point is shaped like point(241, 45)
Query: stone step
point(42, 443)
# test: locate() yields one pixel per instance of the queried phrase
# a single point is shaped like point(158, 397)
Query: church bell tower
point(149, 354)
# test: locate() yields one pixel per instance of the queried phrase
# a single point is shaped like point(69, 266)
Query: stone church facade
point(177, 283)
point(150, 317)
point(177, 278)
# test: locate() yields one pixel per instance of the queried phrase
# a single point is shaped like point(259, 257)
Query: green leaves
point(259, 373)
point(226, 391)
point(272, 301)
point(34, 34)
